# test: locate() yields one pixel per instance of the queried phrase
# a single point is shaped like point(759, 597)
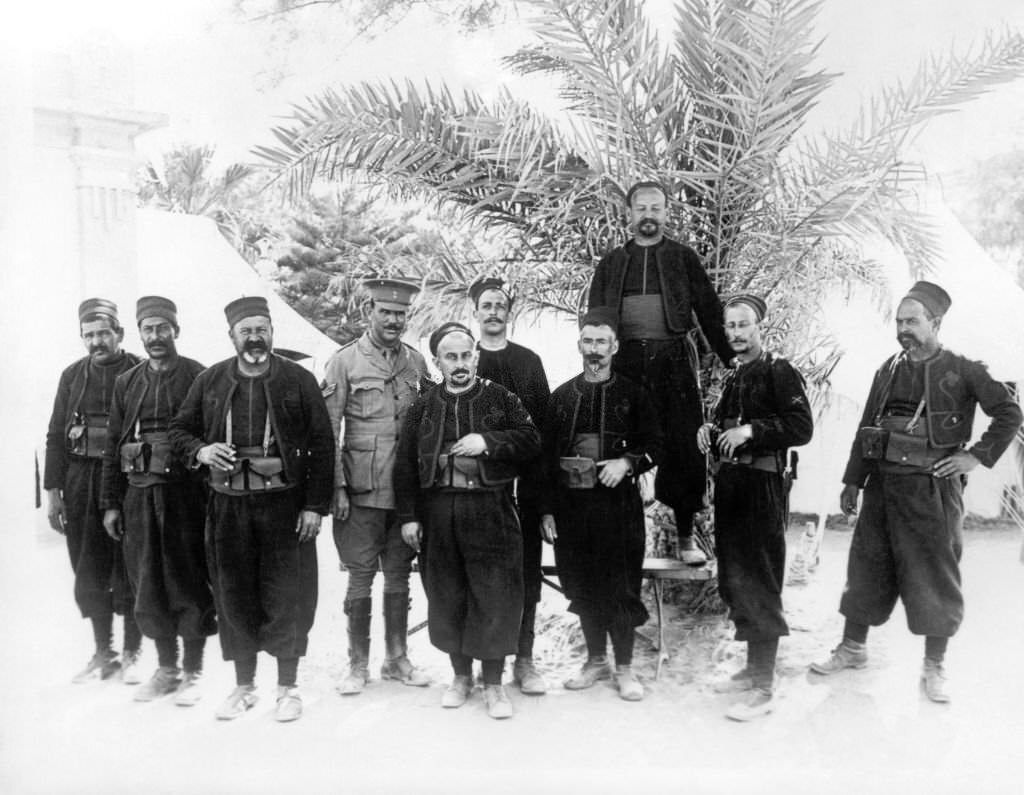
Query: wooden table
point(657, 570)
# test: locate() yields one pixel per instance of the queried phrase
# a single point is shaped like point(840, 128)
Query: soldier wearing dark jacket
point(658, 288)
point(156, 506)
point(458, 454)
point(259, 424)
point(762, 412)
point(911, 459)
point(521, 372)
point(600, 431)
point(75, 442)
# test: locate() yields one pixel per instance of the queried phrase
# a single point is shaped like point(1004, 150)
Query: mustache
point(99, 348)
point(594, 357)
point(460, 371)
point(254, 345)
point(494, 318)
point(392, 327)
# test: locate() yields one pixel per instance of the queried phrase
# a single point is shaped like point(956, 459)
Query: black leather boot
point(358, 612)
point(396, 626)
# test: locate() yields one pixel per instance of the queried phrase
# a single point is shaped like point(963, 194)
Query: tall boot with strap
point(358, 612)
point(396, 625)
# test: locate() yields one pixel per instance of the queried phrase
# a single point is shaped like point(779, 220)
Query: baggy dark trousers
point(101, 583)
point(264, 581)
point(907, 544)
point(599, 552)
point(750, 544)
point(663, 366)
point(166, 560)
point(472, 566)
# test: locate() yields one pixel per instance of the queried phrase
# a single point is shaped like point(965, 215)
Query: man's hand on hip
point(959, 463)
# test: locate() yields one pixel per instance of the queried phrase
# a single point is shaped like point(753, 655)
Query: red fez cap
point(394, 294)
point(754, 302)
point(156, 306)
point(601, 316)
point(246, 306)
point(443, 331)
point(97, 306)
point(931, 296)
point(480, 286)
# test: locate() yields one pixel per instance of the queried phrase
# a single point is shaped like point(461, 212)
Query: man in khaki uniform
point(369, 386)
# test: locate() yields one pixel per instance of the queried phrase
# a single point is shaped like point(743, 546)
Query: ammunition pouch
point(253, 473)
point(88, 438)
point(872, 442)
point(151, 456)
point(889, 442)
point(458, 471)
point(577, 472)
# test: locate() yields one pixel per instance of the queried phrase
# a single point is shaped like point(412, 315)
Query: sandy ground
point(864, 731)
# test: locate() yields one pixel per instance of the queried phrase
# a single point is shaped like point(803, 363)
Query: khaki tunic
point(367, 397)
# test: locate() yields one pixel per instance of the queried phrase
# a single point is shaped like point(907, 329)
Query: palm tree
point(714, 114)
point(184, 183)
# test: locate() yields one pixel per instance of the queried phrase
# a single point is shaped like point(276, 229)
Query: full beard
point(255, 353)
point(254, 357)
point(648, 227)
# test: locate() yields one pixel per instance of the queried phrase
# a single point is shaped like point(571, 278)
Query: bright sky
point(216, 75)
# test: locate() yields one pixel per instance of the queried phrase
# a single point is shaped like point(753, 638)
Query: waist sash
point(643, 318)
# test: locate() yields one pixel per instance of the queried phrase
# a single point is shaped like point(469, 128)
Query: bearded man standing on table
point(600, 432)
point(75, 442)
point(258, 422)
point(459, 452)
point(762, 412)
point(658, 288)
point(156, 506)
point(911, 458)
point(521, 372)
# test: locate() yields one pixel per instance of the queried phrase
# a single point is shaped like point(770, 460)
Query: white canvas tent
point(185, 258)
point(986, 322)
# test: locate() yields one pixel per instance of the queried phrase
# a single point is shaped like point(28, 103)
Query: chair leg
point(662, 656)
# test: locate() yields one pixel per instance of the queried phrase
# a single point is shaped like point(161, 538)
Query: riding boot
point(358, 612)
point(396, 624)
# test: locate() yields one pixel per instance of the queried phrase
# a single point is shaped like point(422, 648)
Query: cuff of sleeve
point(193, 455)
point(983, 459)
